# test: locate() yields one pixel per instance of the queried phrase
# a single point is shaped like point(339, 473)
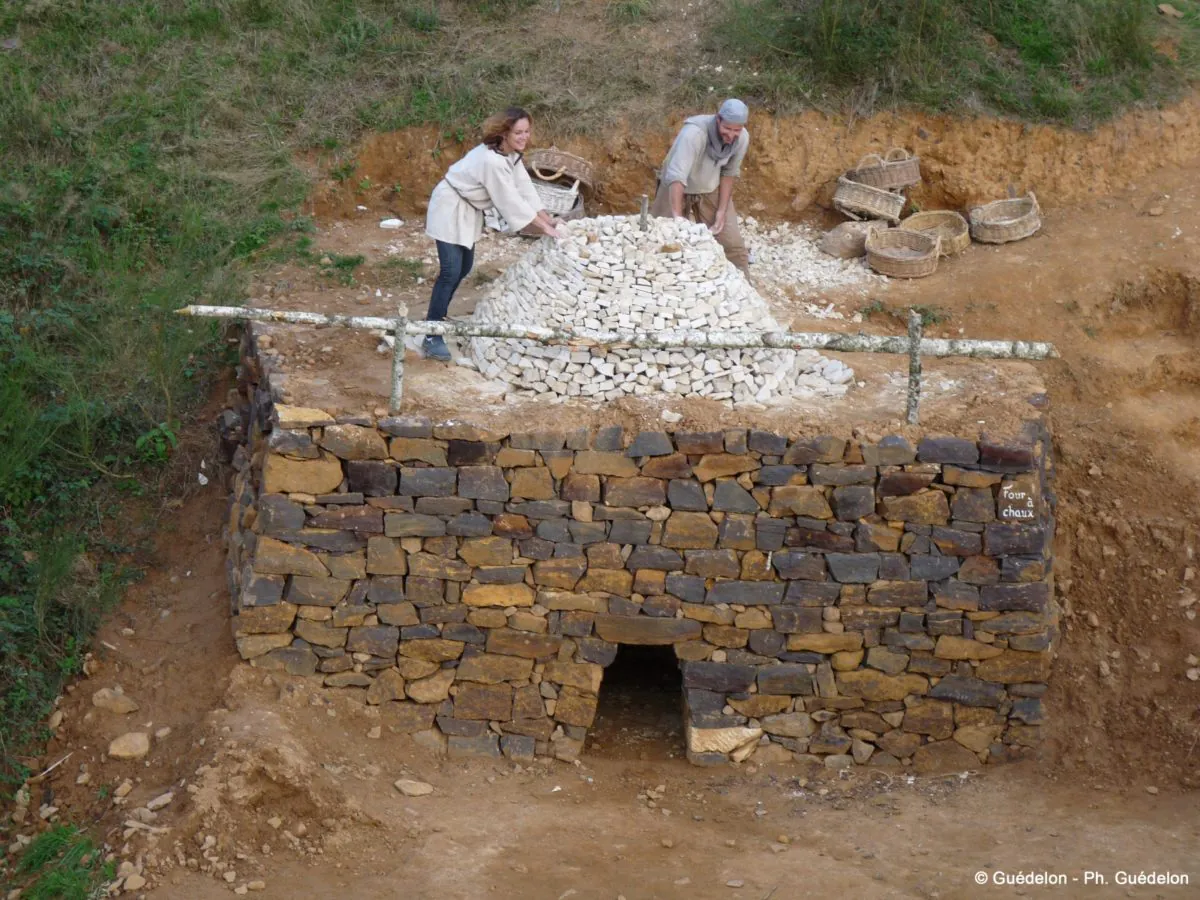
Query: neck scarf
point(718, 151)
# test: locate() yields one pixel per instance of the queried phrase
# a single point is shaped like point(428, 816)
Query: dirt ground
point(296, 793)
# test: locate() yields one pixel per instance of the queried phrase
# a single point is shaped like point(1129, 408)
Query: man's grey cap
point(734, 111)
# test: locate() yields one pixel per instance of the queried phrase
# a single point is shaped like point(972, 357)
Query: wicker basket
point(553, 164)
point(1006, 220)
point(946, 224)
point(903, 254)
point(861, 201)
point(556, 199)
point(899, 169)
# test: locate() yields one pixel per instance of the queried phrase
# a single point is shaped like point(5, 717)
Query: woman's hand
point(550, 231)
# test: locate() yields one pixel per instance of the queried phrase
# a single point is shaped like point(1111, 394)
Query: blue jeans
point(456, 262)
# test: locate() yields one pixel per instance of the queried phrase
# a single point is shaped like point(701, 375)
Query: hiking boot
point(434, 347)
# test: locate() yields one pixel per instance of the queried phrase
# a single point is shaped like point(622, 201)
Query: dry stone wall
point(884, 602)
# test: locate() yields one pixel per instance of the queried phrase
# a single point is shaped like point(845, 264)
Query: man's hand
point(718, 224)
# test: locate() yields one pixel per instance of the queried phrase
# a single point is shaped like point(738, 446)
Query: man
point(697, 176)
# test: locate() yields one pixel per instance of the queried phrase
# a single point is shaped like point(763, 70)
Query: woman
point(490, 175)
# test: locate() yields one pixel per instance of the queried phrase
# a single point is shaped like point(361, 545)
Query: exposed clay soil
point(1118, 291)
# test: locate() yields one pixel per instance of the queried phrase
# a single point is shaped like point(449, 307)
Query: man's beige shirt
point(689, 162)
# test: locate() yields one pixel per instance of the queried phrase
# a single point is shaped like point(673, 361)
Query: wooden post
point(645, 211)
point(401, 325)
point(914, 366)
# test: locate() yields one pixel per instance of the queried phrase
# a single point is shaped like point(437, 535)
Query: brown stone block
point(726, 636)
point(899, 744)
point(483, 701)
point(898, 593)
point(321, 633)
point(869, 537)
point(575, 708)
point(559, 573)
point(404, 614)
point(567, 601)
point(693, 651)
point(932, 717)
point(426, 565)
point(1015, 667)
point(754, 619)
point(498, 595)
point(635, 492)
point(796, 500)
point(387, 686)
point(928, 508)
point(719, 465)
point(434, 688)
point(758, 705)
point(674, 466)
point(712, 563)
point(608, 581)
point(583, 676)
point(524, 644)
point(493, 668)
point(510, 525)
point(599, 462)
point(825, 643)
point(582, 488)
point(646, 629)
point(700, 442)
point(649, 581)
point(824, 449)
point(361, 519)
point(969, 478)
point(283, 475)
point(272, 619)
point(252, 645)
point(951, 647)
point(859, 618)
point(974, 505)
point(703, 613)
point(432, 649)
point(943, 756)
point(487, 551)
point(419, 449)
point(307, 591)
point(872, 685)
point(532, 484)
point(273, 557)
point(756, 566)
point(528, 621)
point(377, 640)
point(510, 458)
point(690, 531)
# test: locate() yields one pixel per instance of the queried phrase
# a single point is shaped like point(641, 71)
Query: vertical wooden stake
point(645, 211)
point(914, 366)
point(401, 325)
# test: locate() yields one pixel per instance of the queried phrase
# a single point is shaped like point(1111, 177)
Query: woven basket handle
point(891, 155)
point(542, 175)
point(1036, 207)
point(875, 156)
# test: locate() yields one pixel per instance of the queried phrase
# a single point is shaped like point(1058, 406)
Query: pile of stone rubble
point(607, 274)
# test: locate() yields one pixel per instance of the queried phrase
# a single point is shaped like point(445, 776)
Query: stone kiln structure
point(608, 274)
point(879, 602)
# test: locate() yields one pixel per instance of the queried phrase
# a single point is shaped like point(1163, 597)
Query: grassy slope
point(1076, 62)
point(149, 151)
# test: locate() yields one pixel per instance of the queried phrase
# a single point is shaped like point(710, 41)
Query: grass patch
point(63, 864)
point(1075, 62)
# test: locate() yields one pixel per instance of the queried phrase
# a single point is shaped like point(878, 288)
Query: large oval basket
point(861, 201)
point(1006, 220)
point(943, 223)
point(556, 199)
point(899, 169)
point(902, 254)
point(555, 164)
